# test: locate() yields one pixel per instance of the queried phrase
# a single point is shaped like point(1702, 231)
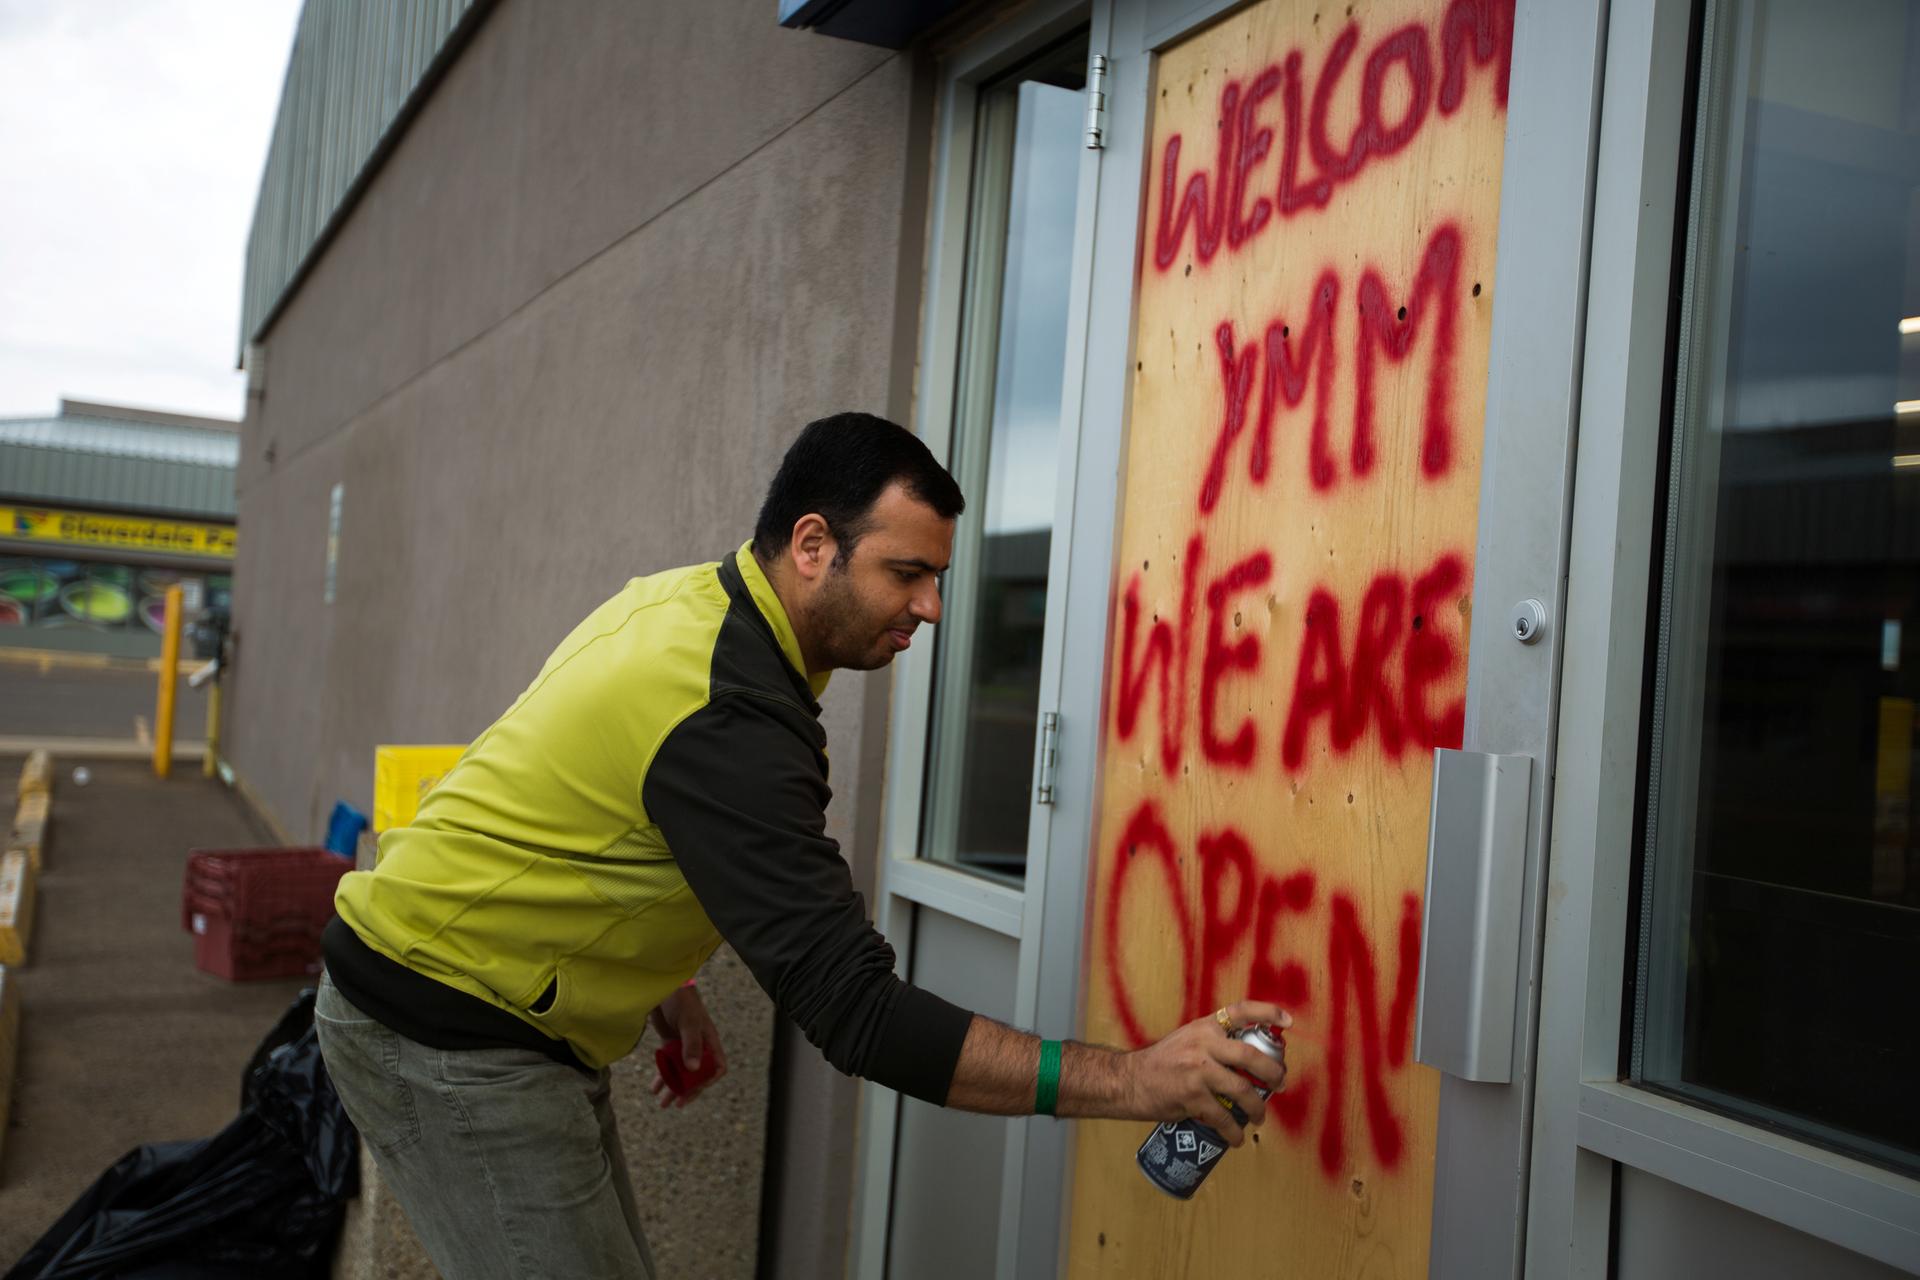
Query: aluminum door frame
point(1535, 363)
point(904, 880)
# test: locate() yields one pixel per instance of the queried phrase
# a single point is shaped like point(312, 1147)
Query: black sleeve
point(740, 792)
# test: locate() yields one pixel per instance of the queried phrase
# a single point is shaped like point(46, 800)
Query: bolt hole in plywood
point(1320, 210)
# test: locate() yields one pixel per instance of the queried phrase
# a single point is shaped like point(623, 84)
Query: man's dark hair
point(838, 467)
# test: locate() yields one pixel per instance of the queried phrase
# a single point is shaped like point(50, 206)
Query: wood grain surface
point(1290, 615)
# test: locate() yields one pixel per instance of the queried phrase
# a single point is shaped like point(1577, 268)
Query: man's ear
point(812, 547)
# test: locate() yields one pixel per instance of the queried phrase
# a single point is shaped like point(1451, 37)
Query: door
point(1351, 362)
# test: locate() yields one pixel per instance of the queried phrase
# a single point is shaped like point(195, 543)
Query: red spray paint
point(1213, 201)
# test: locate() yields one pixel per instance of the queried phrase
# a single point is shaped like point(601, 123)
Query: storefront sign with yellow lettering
point(53, 526)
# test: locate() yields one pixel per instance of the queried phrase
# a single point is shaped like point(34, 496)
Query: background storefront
point(102, 509)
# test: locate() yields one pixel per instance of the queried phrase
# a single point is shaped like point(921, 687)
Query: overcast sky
point(132, 137)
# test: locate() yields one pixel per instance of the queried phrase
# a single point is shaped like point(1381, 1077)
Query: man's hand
point(683, 1016)
point(1176, 1077)
point(1181, 1074)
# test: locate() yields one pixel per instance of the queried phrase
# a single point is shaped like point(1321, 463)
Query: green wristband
point(1046, 1090)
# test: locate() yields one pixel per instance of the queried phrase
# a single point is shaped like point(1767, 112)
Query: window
point(1779, 952)
point(1012, 359)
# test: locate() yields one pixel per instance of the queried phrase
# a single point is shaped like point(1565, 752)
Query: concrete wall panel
point(1667, 1232)
point(549, 140)
point(276, 710)
point(624, 420)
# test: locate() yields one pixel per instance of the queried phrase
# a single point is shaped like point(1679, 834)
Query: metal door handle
point(1470, 940)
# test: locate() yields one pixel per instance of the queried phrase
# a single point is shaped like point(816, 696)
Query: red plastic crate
point(220, 953)
point(258, 913)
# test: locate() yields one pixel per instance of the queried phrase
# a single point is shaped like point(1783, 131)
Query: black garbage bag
point(263, 1197)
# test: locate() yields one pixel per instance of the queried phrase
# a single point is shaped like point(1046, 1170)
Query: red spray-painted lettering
point(1367, 1032)
point(1436, 286)
point(1285, 380)
point(1353, 697)
point(1214, 203)
point(1221, 658)
point(1283, 982)
point(1432, 304)
point(1146, 833)
point(1356, 998)
point(1356, 698)
point(1167, 647)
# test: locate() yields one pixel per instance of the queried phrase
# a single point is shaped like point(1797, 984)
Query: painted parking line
point(48, 660)
point(91, 748)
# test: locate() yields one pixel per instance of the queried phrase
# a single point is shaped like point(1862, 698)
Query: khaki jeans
point(507, 1162)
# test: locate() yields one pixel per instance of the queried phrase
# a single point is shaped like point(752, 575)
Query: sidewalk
point(122, 1040)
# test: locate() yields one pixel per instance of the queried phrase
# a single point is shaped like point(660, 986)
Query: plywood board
point(1290, 617)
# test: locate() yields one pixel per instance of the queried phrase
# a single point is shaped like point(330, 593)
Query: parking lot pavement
point(122, 1040)
point(55, 699)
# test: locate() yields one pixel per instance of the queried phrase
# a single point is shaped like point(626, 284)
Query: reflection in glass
point(1780, 948)
point(1006, 435)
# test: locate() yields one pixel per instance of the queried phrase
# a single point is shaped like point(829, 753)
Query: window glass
point(95, 605)
point(1778, 971)
point(1006, 436)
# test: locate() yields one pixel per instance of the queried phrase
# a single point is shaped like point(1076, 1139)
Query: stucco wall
point(621, 256)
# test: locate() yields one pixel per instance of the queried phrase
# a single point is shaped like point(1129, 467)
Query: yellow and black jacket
point(660, 786)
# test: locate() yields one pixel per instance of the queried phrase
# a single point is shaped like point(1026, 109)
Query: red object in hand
point(673, 1068)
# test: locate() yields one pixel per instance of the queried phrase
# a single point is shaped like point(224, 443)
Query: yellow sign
point(402, 776)
point(1896, 747)
point(130, 533)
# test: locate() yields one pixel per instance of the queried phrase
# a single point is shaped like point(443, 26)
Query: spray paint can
point(1178, 1155)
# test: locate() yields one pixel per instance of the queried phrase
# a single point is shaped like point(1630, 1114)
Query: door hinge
point(1049, 755)
point(1097, 102)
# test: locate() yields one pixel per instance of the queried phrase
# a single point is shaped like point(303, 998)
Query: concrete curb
point(19, 868)
point(94, 748)
point(16, 908)
point(37, 774)
point(25, 851)
point(50, 659)
point(29, 832)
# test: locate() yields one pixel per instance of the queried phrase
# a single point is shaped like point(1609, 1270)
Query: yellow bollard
point(210, 764)
point(169, 676)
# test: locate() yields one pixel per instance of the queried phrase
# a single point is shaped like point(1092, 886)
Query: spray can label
point(1180, 1154)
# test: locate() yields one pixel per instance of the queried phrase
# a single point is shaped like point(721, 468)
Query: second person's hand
point(683, 1016)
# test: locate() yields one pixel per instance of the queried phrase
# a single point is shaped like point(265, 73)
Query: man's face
point(864, 611)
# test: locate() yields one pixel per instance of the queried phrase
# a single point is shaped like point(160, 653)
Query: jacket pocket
point(550, 1005)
